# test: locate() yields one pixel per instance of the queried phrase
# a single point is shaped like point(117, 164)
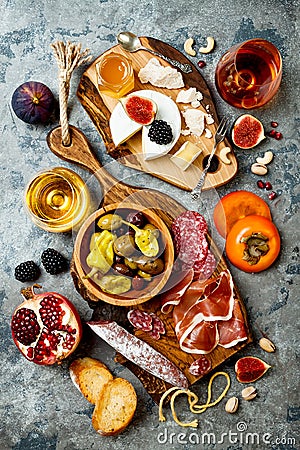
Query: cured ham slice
point(233, 330)
point(177, 289)
point(202, 307)
point(202, 338)
point(210, 301)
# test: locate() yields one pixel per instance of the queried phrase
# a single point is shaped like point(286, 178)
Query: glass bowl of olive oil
point(57, 200)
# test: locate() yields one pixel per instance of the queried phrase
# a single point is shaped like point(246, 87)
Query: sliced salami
point(157, 324)
point(189, 232)
point(200, 366)
point(155, 334)
point(204, 270)
point(140, 319)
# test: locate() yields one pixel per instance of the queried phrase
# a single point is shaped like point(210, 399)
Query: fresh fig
point(140, 109)
point(250, 369)
point(33, 102)
point(247, 132)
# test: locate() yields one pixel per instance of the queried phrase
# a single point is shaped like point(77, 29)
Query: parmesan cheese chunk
point(161, 76)
point(194, 119)
point(186, 155)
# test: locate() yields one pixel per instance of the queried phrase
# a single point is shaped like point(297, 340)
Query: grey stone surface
point(40, 408)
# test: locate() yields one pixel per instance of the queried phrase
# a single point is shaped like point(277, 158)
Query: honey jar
point(114, 75)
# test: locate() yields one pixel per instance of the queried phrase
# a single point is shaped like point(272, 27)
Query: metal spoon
point(131, 43)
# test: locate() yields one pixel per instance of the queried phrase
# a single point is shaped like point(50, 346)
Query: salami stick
point(139, 352)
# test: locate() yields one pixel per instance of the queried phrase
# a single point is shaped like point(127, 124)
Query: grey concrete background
point(40, 408)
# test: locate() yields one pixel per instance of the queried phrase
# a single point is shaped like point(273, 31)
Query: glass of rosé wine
point(249, 74)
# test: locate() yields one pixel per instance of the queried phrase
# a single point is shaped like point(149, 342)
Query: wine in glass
point(249, 74)
point(57, 199)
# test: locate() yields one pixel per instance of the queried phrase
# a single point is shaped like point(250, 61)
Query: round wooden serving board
point(100, 106)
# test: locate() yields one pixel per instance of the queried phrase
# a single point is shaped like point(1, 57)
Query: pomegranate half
point(46, 327)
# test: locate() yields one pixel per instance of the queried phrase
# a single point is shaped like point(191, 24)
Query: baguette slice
point(115, 407)
point(90, 376)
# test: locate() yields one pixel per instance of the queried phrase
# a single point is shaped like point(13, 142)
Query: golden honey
point(115, 75)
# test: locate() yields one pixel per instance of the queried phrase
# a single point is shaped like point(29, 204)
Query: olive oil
point(57, 200)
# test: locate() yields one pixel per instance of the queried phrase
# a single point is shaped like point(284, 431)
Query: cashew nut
point(188, 47)
point(266, 159)
point(209, 47)
point(259, 169)
point(223, 155)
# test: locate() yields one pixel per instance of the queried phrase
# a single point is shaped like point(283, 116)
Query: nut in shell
point(232, 405)
point(188, 47)
point(267, 345)
point(249, 393)
point(210, 45)
point(259, 169)
point(266, 159)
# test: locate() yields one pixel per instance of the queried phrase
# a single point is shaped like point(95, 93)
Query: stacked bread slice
point(115, 399)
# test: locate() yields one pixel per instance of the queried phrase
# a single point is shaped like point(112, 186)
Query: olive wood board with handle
point(99, 107)
point(114, 191)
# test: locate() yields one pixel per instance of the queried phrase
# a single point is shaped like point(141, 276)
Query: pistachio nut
point(267, 345)
point(232, 405)
point(249, 393)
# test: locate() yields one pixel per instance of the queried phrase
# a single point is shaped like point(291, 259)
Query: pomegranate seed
point(25, 326)
point(278, 135)
point(274, 124)
point(261, 184)
point(201, 64)
point(272, 133)
point(272, 195)
point(268, 186)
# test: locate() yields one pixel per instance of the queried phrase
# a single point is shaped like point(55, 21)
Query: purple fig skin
point(33, 102)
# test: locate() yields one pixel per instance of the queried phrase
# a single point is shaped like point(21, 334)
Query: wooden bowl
point(132, 297)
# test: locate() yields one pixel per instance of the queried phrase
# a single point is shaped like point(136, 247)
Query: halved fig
point(247, 132)
point(250, 369)
point(140, 109)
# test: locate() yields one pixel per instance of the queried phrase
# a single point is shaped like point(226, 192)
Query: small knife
point(139, 352)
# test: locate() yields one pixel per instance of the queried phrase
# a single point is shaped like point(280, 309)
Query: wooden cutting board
point(113, 191)
point(99, 108)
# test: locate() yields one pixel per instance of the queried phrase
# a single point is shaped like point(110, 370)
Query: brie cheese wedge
point(121, 126)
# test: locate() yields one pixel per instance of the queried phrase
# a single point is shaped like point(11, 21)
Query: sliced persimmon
point(237, 205)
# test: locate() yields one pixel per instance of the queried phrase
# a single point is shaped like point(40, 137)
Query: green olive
point(144, 275)
point(110, 222)
point(124, 245)
point(130, 263)
point(151, 266)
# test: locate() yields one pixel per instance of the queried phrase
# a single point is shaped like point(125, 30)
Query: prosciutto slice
point(202, 338)
point(233, 330)
point(203, 306)
point(177, 289)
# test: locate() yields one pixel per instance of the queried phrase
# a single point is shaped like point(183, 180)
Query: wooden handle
point(80, 152)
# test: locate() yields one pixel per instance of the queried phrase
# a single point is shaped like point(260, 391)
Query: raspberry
point(27, 271)
point(53, 261)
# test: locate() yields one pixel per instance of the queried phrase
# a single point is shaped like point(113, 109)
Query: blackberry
point(27, 271)
point(160, 132)
point(53, 261)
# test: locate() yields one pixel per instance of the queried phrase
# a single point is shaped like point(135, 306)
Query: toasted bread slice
point(90, 376)
point(115, 407)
